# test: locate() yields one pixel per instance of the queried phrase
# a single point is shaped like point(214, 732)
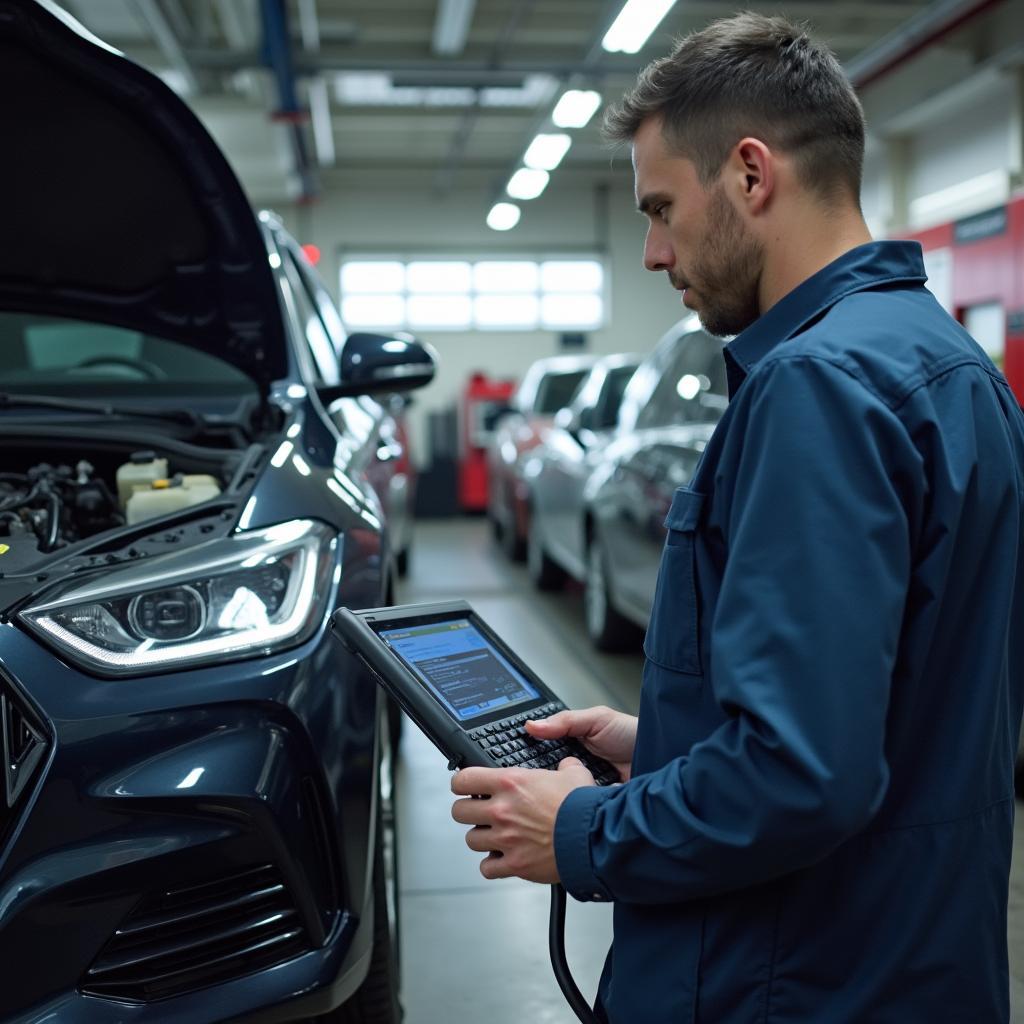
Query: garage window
point(481, 295)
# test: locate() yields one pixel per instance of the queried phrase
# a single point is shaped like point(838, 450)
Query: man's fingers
point(481, 840)
point(581, 773)
point(557, 725)
point(495, 866)
point(475, 781)
point(471, 812)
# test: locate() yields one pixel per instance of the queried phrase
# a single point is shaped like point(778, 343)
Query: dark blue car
point(195, 817)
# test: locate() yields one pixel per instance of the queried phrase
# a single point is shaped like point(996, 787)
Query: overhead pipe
point(277, 55)
point(929, 27)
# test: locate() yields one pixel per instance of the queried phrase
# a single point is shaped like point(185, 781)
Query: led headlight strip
point(252, 593)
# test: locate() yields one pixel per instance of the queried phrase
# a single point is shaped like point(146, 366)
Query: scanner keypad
point(509, 745)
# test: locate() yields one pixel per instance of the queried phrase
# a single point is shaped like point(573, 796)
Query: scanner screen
point(460, 667)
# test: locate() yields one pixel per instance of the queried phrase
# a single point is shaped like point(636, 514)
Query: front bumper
point(188, 847)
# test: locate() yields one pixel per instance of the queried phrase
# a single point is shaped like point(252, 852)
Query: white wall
point(598, 216)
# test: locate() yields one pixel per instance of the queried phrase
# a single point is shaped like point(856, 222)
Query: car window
point(556, 390)
point(315, 333)
point(607, 410)
point(49, 354)
point(692, 387)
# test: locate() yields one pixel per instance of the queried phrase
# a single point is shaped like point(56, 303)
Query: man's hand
point(609, 734)
point(515, 824)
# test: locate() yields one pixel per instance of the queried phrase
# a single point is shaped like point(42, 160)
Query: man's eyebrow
point(652, 199)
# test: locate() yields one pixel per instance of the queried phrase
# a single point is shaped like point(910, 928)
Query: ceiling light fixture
point(451, 26)
point(503, 216)
point(636, 21)
point(546, 151)
point(576, 108)
point(527, 183)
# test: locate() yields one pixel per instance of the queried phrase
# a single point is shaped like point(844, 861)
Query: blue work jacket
point(820, 817)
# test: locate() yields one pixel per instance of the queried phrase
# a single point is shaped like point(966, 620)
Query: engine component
point(165, 496)
point(57, 504)
point(139, 472)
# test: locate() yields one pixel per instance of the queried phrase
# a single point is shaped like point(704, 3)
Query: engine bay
point(54, 495)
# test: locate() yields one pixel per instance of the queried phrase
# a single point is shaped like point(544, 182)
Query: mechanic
point(816, 818)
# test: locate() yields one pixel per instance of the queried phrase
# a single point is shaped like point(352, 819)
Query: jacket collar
point(866, 266)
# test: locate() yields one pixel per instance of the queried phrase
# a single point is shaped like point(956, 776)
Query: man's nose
point(657, 252)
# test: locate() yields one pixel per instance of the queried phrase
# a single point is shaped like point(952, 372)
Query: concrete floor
point(475, 950)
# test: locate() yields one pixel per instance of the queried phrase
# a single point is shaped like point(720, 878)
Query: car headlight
point(252, 593)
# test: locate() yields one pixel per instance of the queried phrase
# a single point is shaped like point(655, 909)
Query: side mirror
point(374, 364)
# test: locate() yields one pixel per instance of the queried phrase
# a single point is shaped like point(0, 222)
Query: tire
point(607, 628)
point(512, 543)
point(377, 1000)
point(546, 574)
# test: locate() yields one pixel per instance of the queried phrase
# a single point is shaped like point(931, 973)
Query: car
point(547, 386)
point(557, 471)
point(197, 811)
point(668, 414)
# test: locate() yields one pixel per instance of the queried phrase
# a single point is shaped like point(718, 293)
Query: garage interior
point(392, 139)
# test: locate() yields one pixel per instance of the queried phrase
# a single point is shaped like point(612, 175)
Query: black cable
point(556, 944)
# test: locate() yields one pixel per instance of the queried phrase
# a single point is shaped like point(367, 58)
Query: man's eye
point(661, 210)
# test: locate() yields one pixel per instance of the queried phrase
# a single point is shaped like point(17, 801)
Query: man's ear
point(751, 168)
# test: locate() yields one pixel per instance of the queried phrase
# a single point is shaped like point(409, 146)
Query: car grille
point(23, 746)
point(187, 939)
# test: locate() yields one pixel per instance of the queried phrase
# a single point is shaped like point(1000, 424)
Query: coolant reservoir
point(141, 471)
point(165, 496)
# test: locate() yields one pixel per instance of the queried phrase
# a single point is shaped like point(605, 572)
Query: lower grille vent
point(187, 939)
point(22, 748)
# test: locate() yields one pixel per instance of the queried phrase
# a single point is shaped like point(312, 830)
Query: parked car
point(669, 411)
point(557, 471)
point(196, 820)
point(547, 386)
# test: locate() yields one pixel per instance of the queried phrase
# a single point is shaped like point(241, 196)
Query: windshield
point(556, 390)
point(65, 358)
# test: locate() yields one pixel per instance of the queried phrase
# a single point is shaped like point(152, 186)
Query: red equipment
point(986, 253)
point(482, 398)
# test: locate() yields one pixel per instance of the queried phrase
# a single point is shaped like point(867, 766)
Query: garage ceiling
point(444, 89)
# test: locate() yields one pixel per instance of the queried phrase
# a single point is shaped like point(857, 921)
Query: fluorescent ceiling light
point(636, 21)
point(503, 216)
point(451, 26)
point(546, 151)
point(576, 108)
point(527, 183)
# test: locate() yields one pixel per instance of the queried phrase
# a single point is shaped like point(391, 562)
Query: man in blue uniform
point(816, 818)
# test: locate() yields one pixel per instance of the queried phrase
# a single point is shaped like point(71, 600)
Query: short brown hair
point(759, 76)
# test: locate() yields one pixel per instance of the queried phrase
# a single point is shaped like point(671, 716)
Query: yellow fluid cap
point(159, 485)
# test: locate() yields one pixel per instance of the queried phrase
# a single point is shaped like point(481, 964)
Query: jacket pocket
point(673, 636)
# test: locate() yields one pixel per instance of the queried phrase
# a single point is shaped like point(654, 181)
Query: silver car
point(548, 385)
point(557, 471)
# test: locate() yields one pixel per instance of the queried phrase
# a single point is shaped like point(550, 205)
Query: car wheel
point(511, 542)
point(608, 630)
point(546, 574)
point(377, 1000)
point(402, 562)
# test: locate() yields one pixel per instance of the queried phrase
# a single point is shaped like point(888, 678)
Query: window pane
point(427, 311)
point(506, 276)
point(373, 310)
point(494, 311)
point(372, 276)
point(438, 276)
point(580, 311)
point(571, 276)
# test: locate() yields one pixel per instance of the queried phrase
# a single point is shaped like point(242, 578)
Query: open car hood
point(118, 205)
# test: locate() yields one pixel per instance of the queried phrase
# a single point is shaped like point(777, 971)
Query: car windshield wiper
point(186, 416)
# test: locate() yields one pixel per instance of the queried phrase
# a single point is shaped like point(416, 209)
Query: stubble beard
point(726, 278)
